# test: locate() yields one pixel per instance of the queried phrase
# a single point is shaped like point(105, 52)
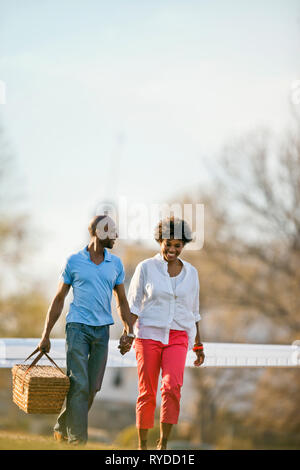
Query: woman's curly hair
point(173, 228)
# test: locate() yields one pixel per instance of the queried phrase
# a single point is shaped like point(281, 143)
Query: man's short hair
point(93, 224)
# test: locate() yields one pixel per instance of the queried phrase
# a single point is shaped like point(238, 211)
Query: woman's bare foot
point(142, 445)
point(161, 444)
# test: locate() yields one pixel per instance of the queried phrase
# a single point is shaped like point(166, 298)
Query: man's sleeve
point(121, 275)
point(66, 274)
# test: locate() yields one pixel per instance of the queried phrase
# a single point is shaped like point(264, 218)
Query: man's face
point(106, 231)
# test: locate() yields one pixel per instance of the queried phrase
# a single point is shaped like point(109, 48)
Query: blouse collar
point(164, 263)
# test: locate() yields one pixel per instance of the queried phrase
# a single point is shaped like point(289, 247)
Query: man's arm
point(126, 316)
point(53, 315)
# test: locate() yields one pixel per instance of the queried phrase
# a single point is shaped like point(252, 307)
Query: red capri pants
point(170, 358)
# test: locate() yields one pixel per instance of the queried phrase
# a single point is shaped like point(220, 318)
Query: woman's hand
point(200, 358)
point(125, 343)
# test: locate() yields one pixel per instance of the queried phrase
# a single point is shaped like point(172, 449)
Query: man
point(94, 274)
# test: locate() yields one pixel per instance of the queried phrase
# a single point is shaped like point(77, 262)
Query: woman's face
point(171, 249)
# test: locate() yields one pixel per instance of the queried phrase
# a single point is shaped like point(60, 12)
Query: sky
point(126, 98)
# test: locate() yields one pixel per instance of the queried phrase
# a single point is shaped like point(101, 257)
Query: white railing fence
point(15, 350)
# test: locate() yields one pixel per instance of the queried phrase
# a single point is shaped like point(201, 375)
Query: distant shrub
point(235, 443)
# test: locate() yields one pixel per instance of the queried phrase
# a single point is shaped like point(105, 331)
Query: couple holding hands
point(161, 320)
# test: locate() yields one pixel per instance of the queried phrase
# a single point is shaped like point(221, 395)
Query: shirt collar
point(164, 263)
point(107, 254)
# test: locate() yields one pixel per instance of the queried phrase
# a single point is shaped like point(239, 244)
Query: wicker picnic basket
point(39, 389)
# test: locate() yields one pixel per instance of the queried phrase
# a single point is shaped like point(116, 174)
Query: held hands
point(125, 343)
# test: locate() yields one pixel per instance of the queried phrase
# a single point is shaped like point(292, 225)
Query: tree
point(275, 405)
point(256, 242)
point(249, 273)
point(22, 310)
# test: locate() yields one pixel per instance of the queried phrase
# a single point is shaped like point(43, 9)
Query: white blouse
point(158, 305)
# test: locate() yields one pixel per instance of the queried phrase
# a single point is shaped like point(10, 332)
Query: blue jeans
point(86, 348)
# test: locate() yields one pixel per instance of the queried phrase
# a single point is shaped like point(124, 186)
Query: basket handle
point(35, 361)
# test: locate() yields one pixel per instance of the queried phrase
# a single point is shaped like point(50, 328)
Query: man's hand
point(125, 343)
point(44, 345)
point(200, 358)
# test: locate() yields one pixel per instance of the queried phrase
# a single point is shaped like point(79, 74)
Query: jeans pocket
point(72, 331)
point(102, 335)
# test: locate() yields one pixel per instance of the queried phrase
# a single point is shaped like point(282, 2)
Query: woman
point(164, 299)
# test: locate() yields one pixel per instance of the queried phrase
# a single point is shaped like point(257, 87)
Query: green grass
point(10, 440)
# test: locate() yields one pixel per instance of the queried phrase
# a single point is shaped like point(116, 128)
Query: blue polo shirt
point(92, 287)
